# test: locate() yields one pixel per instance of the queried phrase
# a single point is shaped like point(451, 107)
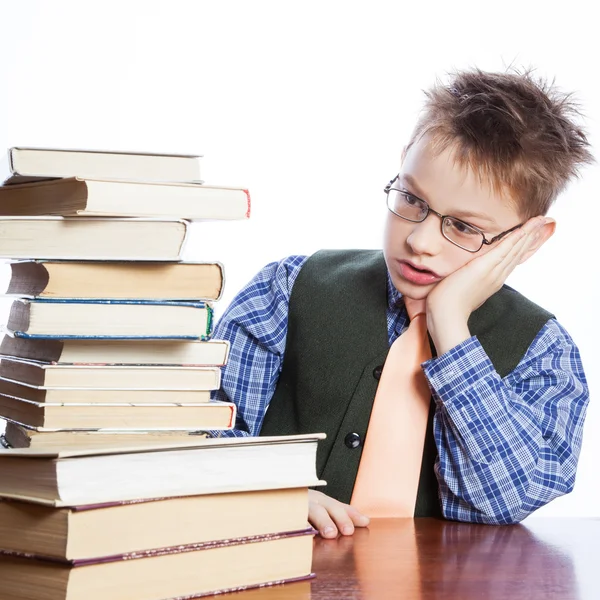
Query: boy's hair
point(513, 130)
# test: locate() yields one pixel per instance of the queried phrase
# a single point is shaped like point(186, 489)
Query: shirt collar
point(395, 301)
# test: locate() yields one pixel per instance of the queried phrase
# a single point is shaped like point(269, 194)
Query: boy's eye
point(412, 200)
point(460, 228)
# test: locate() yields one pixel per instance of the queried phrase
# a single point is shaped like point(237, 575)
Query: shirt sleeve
point(255, 324)
point(507, 446)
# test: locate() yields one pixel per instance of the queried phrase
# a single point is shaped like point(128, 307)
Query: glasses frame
point(484, 240)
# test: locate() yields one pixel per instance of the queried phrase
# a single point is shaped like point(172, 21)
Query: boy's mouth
point(417, 274)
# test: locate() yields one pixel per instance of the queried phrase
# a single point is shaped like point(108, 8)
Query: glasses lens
point(461, 234)
point(406, 205)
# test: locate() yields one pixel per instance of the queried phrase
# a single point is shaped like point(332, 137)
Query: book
point(48, 416)
point(108, 377)
point(116, 279)
point(124, 319)
point(18, 436)
point(197, 467)
point(80, 532)
point(31, 164)
point(80, 395)
point(95, 197)
point(93, 238)
point(180, 573)
point(78, 351)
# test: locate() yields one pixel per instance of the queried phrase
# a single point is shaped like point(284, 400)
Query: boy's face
point(418, 256)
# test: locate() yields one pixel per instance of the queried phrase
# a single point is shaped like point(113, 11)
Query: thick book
point(24, 164)
point(104, 198)
point(182, 572)
point(116, 279)
point(80, 532)
point(46, 375)
point(19, 436)
point(118, 352)
point(93, 238)
point(81, 395)
point(125, 416)
point(203, 466)
point(120, 319)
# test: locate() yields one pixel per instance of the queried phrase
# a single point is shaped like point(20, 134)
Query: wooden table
point(425, 559)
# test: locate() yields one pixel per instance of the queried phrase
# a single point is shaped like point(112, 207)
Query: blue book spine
point(199, 304)
point(36, 336)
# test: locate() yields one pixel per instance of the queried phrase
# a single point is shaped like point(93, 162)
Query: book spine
point(248, 203)
point(200, 304)
point(210, 545)
point(46, 336)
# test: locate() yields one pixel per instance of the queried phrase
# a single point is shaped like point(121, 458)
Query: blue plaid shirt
point(506, 446)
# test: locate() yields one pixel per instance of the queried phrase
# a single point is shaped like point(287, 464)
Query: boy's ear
point(544, 234)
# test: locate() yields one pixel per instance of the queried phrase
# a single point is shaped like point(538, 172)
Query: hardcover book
point(24, 164)
point(48, 376)
point(122, 319)
point(19, 436)
point(94, 197)
point(95, 238)
point(177, 573)
point(157, 470)
point(118, 352)
point(47, 416)
point(82, 395)
point(80, 532)
point(116, 279)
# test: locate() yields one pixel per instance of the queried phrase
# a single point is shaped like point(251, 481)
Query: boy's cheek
point(461, 260)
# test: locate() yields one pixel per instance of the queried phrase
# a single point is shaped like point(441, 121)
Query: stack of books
point(105, 379)
point(228, 514)
point(107, 334)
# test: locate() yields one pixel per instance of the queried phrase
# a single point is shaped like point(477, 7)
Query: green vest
point(336, 344)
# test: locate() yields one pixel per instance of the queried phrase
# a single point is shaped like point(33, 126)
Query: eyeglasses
point(411, 208)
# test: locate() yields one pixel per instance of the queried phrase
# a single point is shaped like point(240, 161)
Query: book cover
point(118, 352)
point(26, 164)
point(21, 436)
point(67, 477)
point(189, 574)
point(49, 376)
point(135, 394)
point(67, 318)
point(92, 238)
point(179, 549)
point(120, 198)
point(118, 416)
point(190, 281)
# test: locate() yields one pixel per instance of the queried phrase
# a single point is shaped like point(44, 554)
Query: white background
point(308, 104)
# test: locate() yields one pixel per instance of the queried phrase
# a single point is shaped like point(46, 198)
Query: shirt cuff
point(465, 382)
point(458, 370)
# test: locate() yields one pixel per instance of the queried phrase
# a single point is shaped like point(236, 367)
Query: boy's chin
point(415, 292)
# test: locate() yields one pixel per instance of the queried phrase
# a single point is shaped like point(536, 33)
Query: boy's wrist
point(447, 331)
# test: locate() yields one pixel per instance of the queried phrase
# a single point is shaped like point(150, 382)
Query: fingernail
point(348, 530)
point(328, 531)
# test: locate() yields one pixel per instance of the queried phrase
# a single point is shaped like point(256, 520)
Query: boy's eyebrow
point(461, 214)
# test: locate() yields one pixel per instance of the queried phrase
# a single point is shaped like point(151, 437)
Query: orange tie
point(390, 465)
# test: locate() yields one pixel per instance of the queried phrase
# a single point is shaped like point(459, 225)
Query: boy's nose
point(426, 237)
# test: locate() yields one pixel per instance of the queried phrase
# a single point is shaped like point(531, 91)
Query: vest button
point(377, 372)
point(352, 440)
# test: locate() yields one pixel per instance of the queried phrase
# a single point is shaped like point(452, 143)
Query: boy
point(486, 160)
